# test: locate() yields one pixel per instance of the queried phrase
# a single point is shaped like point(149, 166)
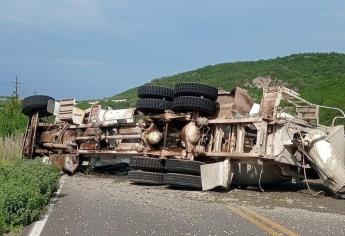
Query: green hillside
point(319, 77)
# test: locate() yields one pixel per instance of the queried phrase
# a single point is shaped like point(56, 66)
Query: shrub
point(25, 188)
point(11, 118)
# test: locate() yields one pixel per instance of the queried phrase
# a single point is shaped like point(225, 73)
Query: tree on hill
point(319, 77)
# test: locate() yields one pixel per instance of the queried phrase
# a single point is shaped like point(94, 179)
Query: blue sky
point(92, 49)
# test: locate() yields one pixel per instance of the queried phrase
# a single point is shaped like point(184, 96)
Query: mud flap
point(216, 175)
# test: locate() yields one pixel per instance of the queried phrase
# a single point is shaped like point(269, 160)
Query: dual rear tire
point(183, 174)
point(153, 105)
point(187, 97)
point(146, 170)
point(172, 172)
point(154, 99)
point(146, 177)
point(196, 90)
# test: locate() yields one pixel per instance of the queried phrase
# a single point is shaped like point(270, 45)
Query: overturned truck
point(193, 136)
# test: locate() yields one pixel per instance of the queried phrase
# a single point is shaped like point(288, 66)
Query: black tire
point(153, 91)
point(197, 90)
point(37, 103)
point(189, 103)
point(153, 105)
point(146, 163)
point(183, 166)
point(183, 181)
point(145, 177)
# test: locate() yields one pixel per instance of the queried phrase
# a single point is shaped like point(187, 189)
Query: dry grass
point(10, 148)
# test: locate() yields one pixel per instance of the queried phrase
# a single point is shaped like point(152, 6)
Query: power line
point(16, 87)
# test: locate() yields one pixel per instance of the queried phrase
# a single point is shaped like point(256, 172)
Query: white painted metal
point(117, 116)
point(216, 175)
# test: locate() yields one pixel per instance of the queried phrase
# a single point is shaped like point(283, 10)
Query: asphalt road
point(110, 205)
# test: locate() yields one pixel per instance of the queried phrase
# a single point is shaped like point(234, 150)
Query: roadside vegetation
point(25, 189)
point(10, 150)
point(25, 185)
point(11, 118)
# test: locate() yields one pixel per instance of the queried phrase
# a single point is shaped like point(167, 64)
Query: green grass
point(10, 148)
point(319, 77)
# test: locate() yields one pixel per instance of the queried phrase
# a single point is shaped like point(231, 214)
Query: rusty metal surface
point(242, 101)
point(103, 137)
point(236, 102)
point(65, 162)
point(235, 121)
point(89, 146)
point(30, 137)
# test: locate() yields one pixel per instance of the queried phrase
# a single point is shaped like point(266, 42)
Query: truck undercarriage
point(193, 136)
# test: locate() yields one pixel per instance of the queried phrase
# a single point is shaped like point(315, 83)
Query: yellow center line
point(252, 220)
point(267, 225)
point(274, 224)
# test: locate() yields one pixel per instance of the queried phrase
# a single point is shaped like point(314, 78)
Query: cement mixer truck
point(193, 136)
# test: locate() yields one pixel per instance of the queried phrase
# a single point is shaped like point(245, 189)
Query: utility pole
point(16, 86)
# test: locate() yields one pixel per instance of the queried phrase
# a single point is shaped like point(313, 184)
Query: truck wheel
point(197, 90)
point(153, 105)
point(37, 103)
point(153, 91)
point(146, 163)
point(182, 180)
point(189, 103)
point(145, 177)
point(183, 166)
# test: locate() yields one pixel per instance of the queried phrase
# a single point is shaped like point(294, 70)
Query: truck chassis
point(193, 136)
